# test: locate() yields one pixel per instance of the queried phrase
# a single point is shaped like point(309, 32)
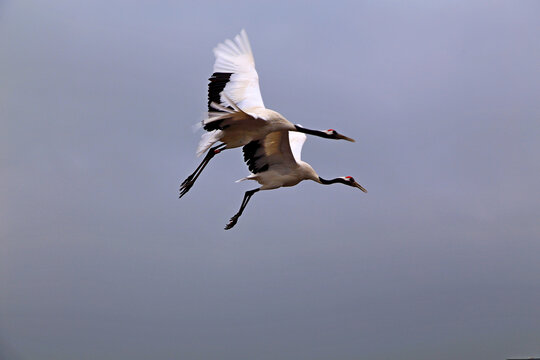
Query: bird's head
point(349, 180)
point(333, 134)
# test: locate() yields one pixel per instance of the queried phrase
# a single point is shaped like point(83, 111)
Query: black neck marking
point(312, 132)
point(333, 181)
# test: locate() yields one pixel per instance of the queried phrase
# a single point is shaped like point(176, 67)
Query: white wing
point(297, 140)
point(235, 75)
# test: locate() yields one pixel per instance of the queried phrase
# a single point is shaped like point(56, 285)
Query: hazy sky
point(100, 260)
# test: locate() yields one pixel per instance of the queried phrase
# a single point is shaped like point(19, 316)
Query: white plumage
point(275, 162)
point(236, 58)
point(297, 140)
point(236, 112)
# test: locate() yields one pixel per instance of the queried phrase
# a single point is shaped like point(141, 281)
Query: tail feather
point(207, 140)
point(249, 177)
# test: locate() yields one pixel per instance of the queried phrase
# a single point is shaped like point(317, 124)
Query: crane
point(236, 112)
point(275, 162)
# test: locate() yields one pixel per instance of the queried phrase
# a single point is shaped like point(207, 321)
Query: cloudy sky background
point(100, 260)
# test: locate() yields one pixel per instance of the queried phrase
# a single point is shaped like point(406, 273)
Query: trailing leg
point(245, 201)
point(190, 180)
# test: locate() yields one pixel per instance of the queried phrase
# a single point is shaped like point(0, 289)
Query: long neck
point(331, 181)
point(311, 132)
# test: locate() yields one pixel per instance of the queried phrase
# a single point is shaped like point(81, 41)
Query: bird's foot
point(232, 222)
point(186, 185)
point(185, 182)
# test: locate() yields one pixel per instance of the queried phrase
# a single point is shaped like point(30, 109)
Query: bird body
point(238, 128)
point(273, 179)
point(275, 162)
point(236, 113)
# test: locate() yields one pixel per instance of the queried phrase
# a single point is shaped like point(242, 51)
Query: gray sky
point(100, 260)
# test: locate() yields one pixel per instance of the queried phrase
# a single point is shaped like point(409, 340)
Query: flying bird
point(275, 162)
point(236, 112)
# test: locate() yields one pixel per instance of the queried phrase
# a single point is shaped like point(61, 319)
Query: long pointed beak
point(343, 137)
point(360, 187)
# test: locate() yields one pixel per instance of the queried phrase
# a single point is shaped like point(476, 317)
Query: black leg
point(234, 219)
point(190, 180)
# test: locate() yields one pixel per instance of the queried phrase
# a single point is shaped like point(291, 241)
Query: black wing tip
point(218, 81)
point(251, 160)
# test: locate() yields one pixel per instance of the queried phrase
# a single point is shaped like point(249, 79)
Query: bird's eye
point(349, 178)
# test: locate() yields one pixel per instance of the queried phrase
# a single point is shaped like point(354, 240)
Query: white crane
point(275, 162)
point(236, 112)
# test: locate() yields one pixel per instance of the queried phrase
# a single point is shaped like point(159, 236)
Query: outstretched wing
point(234, 75)
point(297, 140)
point(272, 152)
